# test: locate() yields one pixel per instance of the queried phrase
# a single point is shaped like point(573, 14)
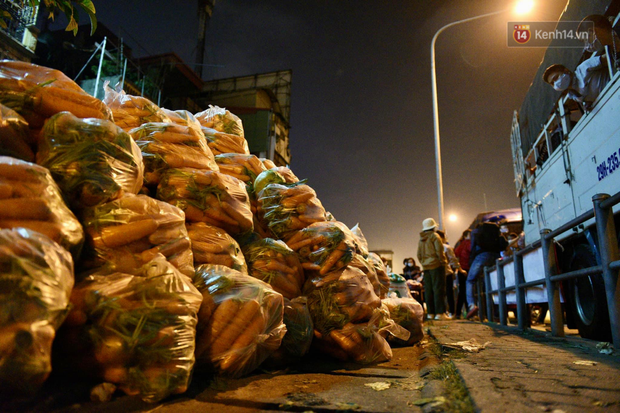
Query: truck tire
point(587, 298)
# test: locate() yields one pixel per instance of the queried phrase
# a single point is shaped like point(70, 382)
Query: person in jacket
point(433, 261)
point(486, 245)
point(411, 271)
point(452, 269)
point(584, 84)
point(462, 251)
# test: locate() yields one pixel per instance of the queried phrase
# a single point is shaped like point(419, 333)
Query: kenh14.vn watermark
point(567, 34)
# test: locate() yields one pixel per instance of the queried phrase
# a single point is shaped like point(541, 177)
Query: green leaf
point(89, 8)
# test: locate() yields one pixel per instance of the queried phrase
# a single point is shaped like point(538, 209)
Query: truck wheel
point(588, 300)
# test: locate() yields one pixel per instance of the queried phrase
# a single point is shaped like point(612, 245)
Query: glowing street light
point(521, 7)
point(453, 218)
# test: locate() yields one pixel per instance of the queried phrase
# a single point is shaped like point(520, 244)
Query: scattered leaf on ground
point(378, 386)
point(434, 400)
point(585, 362)
point(471, 345)
point(348, 406)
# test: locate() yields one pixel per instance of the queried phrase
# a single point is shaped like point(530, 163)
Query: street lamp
point(521, 7)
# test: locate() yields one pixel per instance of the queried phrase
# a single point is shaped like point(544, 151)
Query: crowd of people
point(445, 281)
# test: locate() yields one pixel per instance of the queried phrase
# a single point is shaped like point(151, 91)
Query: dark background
point(361, 109)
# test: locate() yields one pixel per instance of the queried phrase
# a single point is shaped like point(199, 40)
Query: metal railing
point(609, 269)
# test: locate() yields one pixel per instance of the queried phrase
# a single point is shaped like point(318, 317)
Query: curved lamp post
point(521, 7)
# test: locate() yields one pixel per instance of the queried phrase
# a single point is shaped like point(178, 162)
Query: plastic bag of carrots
point(183, 118)
point(220, 142)
point(360, 342)
point(367, 268)
point(36, 278)
point(287, 174)
point(241, 166)
point(125, 234)
point(275, 263)
point(268, 163)
point(30, 198)
point(287, 208)
point(221, 120)
point(240, 321)
point(92, 160)
point(409, 314)
point(168, 145)
point(15, 138)
point(381, 271)
point(137, 332)
point(324, 246)
point(299, 327)
point(207, 196)
point(340, 297)
point(38, 92)
point(131, 111)
point(213, 245)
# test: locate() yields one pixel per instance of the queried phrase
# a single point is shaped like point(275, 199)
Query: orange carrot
point(52, 230)
point(237, 349)
point(333, 258)
point(244, 316)
point(310, 266)
point(167, 249)
point(25, 208)
point(208, 258)
point(117, 235)
point(307, 242)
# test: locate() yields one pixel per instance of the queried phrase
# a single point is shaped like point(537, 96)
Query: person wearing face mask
point(584, 84)
point(410, 270)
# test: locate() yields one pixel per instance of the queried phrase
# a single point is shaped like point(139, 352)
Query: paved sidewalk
point(532, 371)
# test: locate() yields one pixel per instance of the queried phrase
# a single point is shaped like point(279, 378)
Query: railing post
point(501, 295)
point(553, 292)
point(522, 317)
point(608, 248)
point(488, 296)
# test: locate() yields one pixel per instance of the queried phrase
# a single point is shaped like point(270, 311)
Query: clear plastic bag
point(360, 342)
point(36, 278)
point(15, 139)
point(409, 314)
point(38, 92)
point(125, 234)
point(287, 208)
point(92, 160)
point(221, 120)
point(168, 145)
point(132, 111)
point(30, 198)
point(360, 240)
point(220, 142)
point(183, 118)
point(299, 327)
point(340, 297)
point(137, 332)
point(275, 263)
point(213, 245)
point(287, 174)
point(367, 268)
point(381, 271)
point(241, 166)
point(240, 321)
point(324, 246)
point(208, 196)
point(268, 163)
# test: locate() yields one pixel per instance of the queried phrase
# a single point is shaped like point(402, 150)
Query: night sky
point(361, 109)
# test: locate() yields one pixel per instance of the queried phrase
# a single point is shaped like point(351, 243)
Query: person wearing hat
point(433, 261)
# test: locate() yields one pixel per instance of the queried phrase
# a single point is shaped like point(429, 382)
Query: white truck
point(558, 168)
